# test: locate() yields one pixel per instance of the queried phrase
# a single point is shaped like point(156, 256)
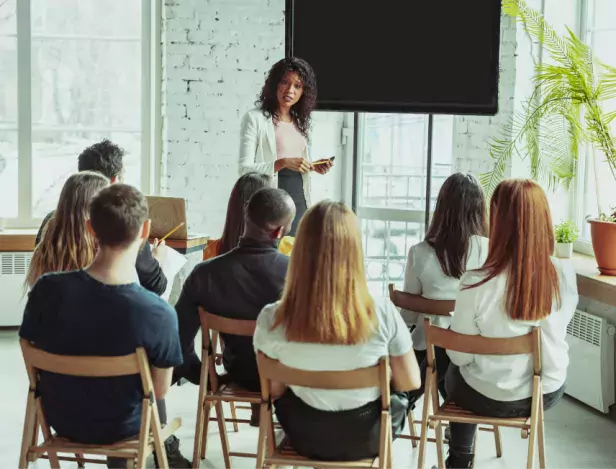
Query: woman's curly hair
point(300, 112)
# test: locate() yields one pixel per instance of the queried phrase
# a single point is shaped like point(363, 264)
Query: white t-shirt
point(481, 310)
point(424, 276)
point(391, 338)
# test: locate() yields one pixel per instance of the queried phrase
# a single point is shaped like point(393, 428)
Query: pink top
point(290, 143)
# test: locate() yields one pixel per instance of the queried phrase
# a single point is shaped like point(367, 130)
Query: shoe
point(459, 460)
point(174, 457)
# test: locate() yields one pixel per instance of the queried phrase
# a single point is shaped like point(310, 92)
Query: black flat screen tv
point(416, 56)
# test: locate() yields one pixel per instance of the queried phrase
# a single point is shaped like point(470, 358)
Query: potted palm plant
point(564, 112)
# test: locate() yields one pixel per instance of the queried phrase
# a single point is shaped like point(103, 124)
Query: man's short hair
point(269, 208)
point(117, 214)
point(103, 157)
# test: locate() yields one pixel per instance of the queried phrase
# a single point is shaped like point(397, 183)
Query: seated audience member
point(67, 244)
point(103, 311)
point(519, 286)
point(105, 158)
point(328, 321)
point(454, 243)
point(238, 285)
point(241, 193)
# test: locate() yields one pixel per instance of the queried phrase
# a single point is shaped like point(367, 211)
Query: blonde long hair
point(65, 243)
point(326, 298)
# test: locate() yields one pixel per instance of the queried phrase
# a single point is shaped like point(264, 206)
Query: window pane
point(386, 245)
point(55, 155)
point(8, 174)
point(8, 17)
point(8, 110)
point(442, 155)
point(393, 161)
point(87, 17)
point(605, 14)
point(86, 86)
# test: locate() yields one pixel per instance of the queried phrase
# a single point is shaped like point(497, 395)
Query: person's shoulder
point(254, 115)
point(267, 315)
point(470, 278)
point(53, 280)
point(146, 302)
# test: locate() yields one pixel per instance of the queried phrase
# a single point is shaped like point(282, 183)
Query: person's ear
point(114, 179)
point(145, 229)
point(89, 228)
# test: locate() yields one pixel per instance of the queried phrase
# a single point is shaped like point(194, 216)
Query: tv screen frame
point(411, 108)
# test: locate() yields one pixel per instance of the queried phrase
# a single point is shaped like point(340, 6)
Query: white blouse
point(481, 310)
point(392, 338)
point(424, 276)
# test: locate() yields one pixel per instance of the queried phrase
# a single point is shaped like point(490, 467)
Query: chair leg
point(390, 452)
point(130, 464)
point(533, 432)
point(421, 460)
point(412, 429)
point(498, 441)
point(199, 430)
point(438, 433)
point(29, 433)
point(263, 432)
point(222, 428)
point(80, 463)
point(541, 439)
point(206, 426)
point(234, 416)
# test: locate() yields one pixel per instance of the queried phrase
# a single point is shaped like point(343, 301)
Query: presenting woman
point(274, 137)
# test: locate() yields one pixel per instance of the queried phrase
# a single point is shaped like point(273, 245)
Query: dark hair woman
point(455, 242)
point(241, 193)
point(274, 136)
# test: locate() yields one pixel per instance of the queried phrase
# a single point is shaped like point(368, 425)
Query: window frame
point(151, 115)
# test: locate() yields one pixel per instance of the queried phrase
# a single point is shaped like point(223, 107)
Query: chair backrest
point(479, 345)
point(373, 376)
point(411, 302)
point(91, 367)
point(212, 322)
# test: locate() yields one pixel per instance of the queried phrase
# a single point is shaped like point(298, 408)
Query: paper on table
point(171, 265)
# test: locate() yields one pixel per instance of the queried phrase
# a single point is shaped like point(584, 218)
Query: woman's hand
point(299, 165)
point(322, 166)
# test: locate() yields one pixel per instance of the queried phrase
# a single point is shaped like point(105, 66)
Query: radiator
point(590, 377)
point(13, 268)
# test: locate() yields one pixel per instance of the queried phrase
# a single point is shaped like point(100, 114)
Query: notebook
point(166, 213)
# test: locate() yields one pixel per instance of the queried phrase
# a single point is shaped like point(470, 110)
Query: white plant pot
point(564, 250)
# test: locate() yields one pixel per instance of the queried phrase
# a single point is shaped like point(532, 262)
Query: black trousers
point(462, 435)
point(120, 463)
point(293, 183)
point(442, 364)
point(338, 436)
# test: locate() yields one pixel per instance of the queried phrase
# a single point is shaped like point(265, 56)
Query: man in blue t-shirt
point(103, 311)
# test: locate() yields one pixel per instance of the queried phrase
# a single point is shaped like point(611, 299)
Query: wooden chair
point(219, 393)
point(410, 302)
point(449, 412)
point(272, 455)
point(151, 436)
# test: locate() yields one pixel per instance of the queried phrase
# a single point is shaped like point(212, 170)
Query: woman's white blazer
point(258, 148)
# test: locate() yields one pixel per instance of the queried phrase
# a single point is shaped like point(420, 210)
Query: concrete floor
point(577, 436)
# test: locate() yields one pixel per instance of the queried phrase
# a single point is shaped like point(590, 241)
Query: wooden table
point(591, 283)
point(23, 241)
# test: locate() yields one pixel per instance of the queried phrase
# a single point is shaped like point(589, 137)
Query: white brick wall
point(472, 133)
point(216, 55)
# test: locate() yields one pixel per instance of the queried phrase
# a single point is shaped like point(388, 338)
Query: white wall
point(216, 54)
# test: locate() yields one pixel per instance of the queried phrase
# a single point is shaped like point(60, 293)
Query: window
point(596, 180)
point(391, 188)
point(73, 72)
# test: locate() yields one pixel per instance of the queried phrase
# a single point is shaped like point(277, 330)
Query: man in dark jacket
point(106, 158)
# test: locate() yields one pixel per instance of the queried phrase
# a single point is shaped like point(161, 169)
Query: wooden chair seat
point(123, 449)
point(285, 454)
point(450, 412)
point(232, 392)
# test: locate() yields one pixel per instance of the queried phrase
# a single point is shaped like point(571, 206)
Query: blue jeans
point(462, 435)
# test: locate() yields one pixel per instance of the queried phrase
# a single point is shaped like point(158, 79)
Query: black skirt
point(293, 183)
